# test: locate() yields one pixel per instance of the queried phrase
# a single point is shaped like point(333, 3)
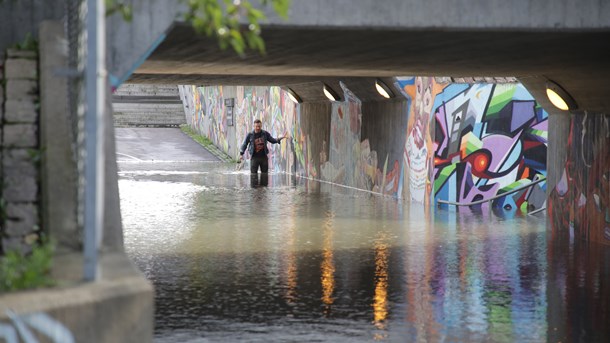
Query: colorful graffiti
point(580, 202)
point(418, 162)
point(205, 108)
point(489, 139)
point(461, 142)
point(351, 160)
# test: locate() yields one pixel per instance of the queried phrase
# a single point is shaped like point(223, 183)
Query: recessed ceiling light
point(559, 97)
point(330, 93)
point(293, 96)
point(383, 89)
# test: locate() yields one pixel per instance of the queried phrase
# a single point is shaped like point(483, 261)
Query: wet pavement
point(158, 145)
point(282, 259)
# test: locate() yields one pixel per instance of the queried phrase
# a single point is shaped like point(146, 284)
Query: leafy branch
point(223, 20)
point(118, 6)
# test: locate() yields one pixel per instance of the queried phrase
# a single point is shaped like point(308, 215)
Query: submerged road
point(282, 259)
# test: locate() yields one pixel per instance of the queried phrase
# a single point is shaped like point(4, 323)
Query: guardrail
point(496, 197)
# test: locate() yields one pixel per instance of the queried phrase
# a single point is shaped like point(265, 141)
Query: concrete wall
point(130, 43)
point(314, 139)
point(116, 308)
point(23, 17)
point(542, 14)
point(579, 204)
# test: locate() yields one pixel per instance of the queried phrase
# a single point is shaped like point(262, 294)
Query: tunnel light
point(330, 93)
point(559, 97)
point(293, 96)
point(383, 89)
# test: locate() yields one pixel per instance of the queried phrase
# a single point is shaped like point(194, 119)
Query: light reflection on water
point(296, 260)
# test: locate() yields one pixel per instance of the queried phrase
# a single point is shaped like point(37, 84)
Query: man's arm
point(244, 145)
point(274, 140)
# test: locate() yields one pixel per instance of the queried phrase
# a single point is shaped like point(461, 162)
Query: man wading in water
point(257, 140)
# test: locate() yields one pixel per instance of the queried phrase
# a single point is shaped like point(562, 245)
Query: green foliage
point(19, 271)
point(35, 156)
point(205, 141)
point(29, 43)
point(118, 6)
point(223, 20)
point(3, 214)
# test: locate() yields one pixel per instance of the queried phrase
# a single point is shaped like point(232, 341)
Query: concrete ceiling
point(302, 58)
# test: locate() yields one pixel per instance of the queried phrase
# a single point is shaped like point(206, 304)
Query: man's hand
point(241, 157)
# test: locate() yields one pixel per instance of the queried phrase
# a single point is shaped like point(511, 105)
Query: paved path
point(159, 144)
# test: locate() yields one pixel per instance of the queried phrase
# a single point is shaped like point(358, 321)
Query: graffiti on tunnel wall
point(580, 202)
point(489, 139)
point(462, 142)
point(418, 162)
point(351, 160)
point(206, 112)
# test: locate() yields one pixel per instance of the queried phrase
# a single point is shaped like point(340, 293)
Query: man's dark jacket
point(250, 140)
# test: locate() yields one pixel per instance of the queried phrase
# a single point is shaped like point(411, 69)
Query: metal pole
point(94, 136)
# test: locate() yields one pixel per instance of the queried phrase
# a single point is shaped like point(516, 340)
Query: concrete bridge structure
point(355, 42)
point(535, 41)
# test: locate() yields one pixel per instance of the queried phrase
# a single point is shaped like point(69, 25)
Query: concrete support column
point(59, 176)
point(579, 203)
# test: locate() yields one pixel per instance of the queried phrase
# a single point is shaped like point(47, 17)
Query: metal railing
point(496, 197)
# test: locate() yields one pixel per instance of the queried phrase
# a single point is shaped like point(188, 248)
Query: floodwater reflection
point(299, 260)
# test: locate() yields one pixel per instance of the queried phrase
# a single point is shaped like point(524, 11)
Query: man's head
point(258, 125)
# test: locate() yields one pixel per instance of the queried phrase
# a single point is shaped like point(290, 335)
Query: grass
point(205, 142)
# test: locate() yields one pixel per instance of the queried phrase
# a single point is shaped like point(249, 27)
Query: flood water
point(285, 259)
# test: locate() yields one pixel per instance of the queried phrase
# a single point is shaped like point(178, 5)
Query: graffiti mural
point(580, 202)
point(461, 142)
point(352, 161)
point(344, 148)
point(489, 139)
point(418, 162)
point(205, 108)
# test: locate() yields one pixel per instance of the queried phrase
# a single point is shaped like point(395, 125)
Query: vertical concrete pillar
point(1, 138)
point(59, 176)
point(579, 203)
point(113, 227)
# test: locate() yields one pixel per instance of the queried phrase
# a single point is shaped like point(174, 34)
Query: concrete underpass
point(347, 239)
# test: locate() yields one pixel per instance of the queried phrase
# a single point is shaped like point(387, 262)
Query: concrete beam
point(449, 15)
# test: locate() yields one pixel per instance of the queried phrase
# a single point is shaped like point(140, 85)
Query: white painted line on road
point(135, 158)
point(170, 161)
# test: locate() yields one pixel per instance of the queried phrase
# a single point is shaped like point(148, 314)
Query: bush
point(20, 271)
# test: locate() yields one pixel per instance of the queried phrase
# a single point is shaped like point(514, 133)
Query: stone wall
point(20, 152)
